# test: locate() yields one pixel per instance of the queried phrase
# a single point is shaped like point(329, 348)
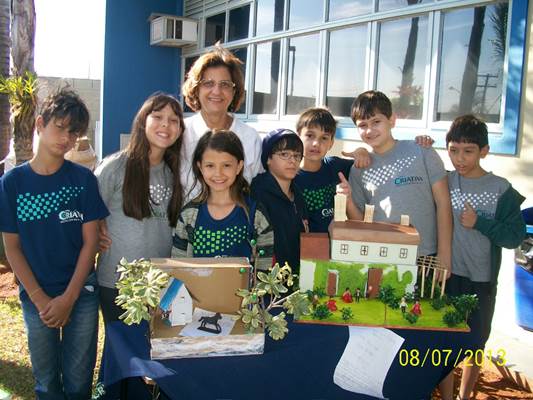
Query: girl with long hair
point(141, 188)
point(222, 220)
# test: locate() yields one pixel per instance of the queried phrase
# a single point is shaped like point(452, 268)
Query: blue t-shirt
point(47, 212)
point(222, 237)
point(319, 189)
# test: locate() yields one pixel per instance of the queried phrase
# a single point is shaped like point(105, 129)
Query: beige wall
point(517, 169)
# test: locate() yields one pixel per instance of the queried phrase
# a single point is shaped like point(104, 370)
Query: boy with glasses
point(282, 152)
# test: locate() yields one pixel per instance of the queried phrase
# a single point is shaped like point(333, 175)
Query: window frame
point(503, 136)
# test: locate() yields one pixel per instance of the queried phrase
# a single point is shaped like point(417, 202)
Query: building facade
point(435, 59)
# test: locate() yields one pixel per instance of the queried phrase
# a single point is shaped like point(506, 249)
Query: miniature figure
point(347, 296)
point(416, 309)
point(213, 320)
point(357, 295)
point(332, 304)
point(403, 305)
point(314, 302)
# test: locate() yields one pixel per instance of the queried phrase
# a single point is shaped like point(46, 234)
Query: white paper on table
point(366, 360)
point(191, 329)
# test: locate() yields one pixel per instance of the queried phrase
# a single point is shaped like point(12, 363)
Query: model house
point(176, 303)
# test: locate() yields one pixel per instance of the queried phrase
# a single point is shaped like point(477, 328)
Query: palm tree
point(22, 51)
point(5, 44)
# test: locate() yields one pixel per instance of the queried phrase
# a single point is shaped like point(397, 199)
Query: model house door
point(374, 279)
point(333, 280)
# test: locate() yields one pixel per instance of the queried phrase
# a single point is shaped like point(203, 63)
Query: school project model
point(198, 311)
point(365, 273)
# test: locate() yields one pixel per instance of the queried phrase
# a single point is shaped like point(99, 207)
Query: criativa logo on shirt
point(66, 216)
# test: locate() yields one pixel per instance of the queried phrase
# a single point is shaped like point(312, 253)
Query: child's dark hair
point(468, 129)
point(136, 188)
point(65, 104)
point(227, 142)
point(288, 142)
point(368, 103)
point(317, 117)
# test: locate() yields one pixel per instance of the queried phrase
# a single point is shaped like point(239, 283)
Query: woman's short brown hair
point(218, 57)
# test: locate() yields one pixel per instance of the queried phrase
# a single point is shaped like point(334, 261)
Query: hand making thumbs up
point(468, 216)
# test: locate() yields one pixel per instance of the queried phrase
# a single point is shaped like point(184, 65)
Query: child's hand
point(103, 236)
point(57, 312)
point(468, 216)
point(361, 157)
point(424, 141)
point(344, 186)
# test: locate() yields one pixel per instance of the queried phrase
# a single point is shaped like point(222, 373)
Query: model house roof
point(170, 294)
point(373, 232)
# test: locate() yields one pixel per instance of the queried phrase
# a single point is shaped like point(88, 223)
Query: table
point(303, 365)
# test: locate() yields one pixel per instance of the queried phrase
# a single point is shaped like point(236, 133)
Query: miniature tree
point(465, 304)
point(139, 286)
point(346, 313)
point(386, 296)
point(321, 312)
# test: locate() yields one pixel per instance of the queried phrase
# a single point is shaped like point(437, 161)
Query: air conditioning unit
point(173, 31)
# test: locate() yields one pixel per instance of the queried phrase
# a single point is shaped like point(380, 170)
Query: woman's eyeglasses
point(287, 155)
point(222, 85)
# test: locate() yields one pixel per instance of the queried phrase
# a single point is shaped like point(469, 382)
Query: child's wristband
point(30, 295)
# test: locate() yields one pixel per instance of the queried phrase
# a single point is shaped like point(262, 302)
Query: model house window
point(383, 251)
point(403, 252)
point(344, 249)
point(364, 250)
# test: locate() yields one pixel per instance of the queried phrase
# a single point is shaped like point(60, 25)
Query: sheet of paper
point(226, 324)
point(366, 360)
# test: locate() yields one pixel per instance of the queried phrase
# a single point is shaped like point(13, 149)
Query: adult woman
point(214, 88)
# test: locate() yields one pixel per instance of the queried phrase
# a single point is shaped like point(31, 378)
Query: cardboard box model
point(209, 284)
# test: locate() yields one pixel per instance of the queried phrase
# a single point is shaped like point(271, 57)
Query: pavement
point(506, 334)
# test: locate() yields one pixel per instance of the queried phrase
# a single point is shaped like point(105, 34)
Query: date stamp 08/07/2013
point(449, 357)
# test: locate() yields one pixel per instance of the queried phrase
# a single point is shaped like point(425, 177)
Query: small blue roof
point(170, 294)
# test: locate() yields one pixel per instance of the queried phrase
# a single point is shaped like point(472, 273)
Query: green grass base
point(371, 312)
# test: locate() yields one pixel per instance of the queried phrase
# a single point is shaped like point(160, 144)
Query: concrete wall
point(88, 89)
point(132, 68)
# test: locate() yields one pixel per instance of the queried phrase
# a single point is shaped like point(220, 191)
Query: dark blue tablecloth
point(299, 367)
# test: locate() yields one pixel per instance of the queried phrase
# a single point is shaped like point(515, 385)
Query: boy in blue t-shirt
point(487, 217)
point(50, 210)
point(319, 174)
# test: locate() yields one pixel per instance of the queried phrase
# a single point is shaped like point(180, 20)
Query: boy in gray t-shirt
point(404, 178)
point(487, 217)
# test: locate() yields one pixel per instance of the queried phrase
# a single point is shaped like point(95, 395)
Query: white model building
point(176, 303)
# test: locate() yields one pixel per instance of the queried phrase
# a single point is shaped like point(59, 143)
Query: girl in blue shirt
point(222, 219)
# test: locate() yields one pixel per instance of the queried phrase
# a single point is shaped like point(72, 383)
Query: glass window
point(214, 29)
point(269, 16)
point(242, 54)
point(391, 4)
point(475, 39)
point(402, 63)
point(239, 21)
point(266, 78)
point(346, 68)
point(304, 13)
point(339, 9)
point(302, 73)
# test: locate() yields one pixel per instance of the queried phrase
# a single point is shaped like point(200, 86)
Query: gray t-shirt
point(471, 249)
point(399, 182)
point(131, 238)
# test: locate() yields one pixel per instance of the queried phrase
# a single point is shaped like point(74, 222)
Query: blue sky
point(69, 38)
